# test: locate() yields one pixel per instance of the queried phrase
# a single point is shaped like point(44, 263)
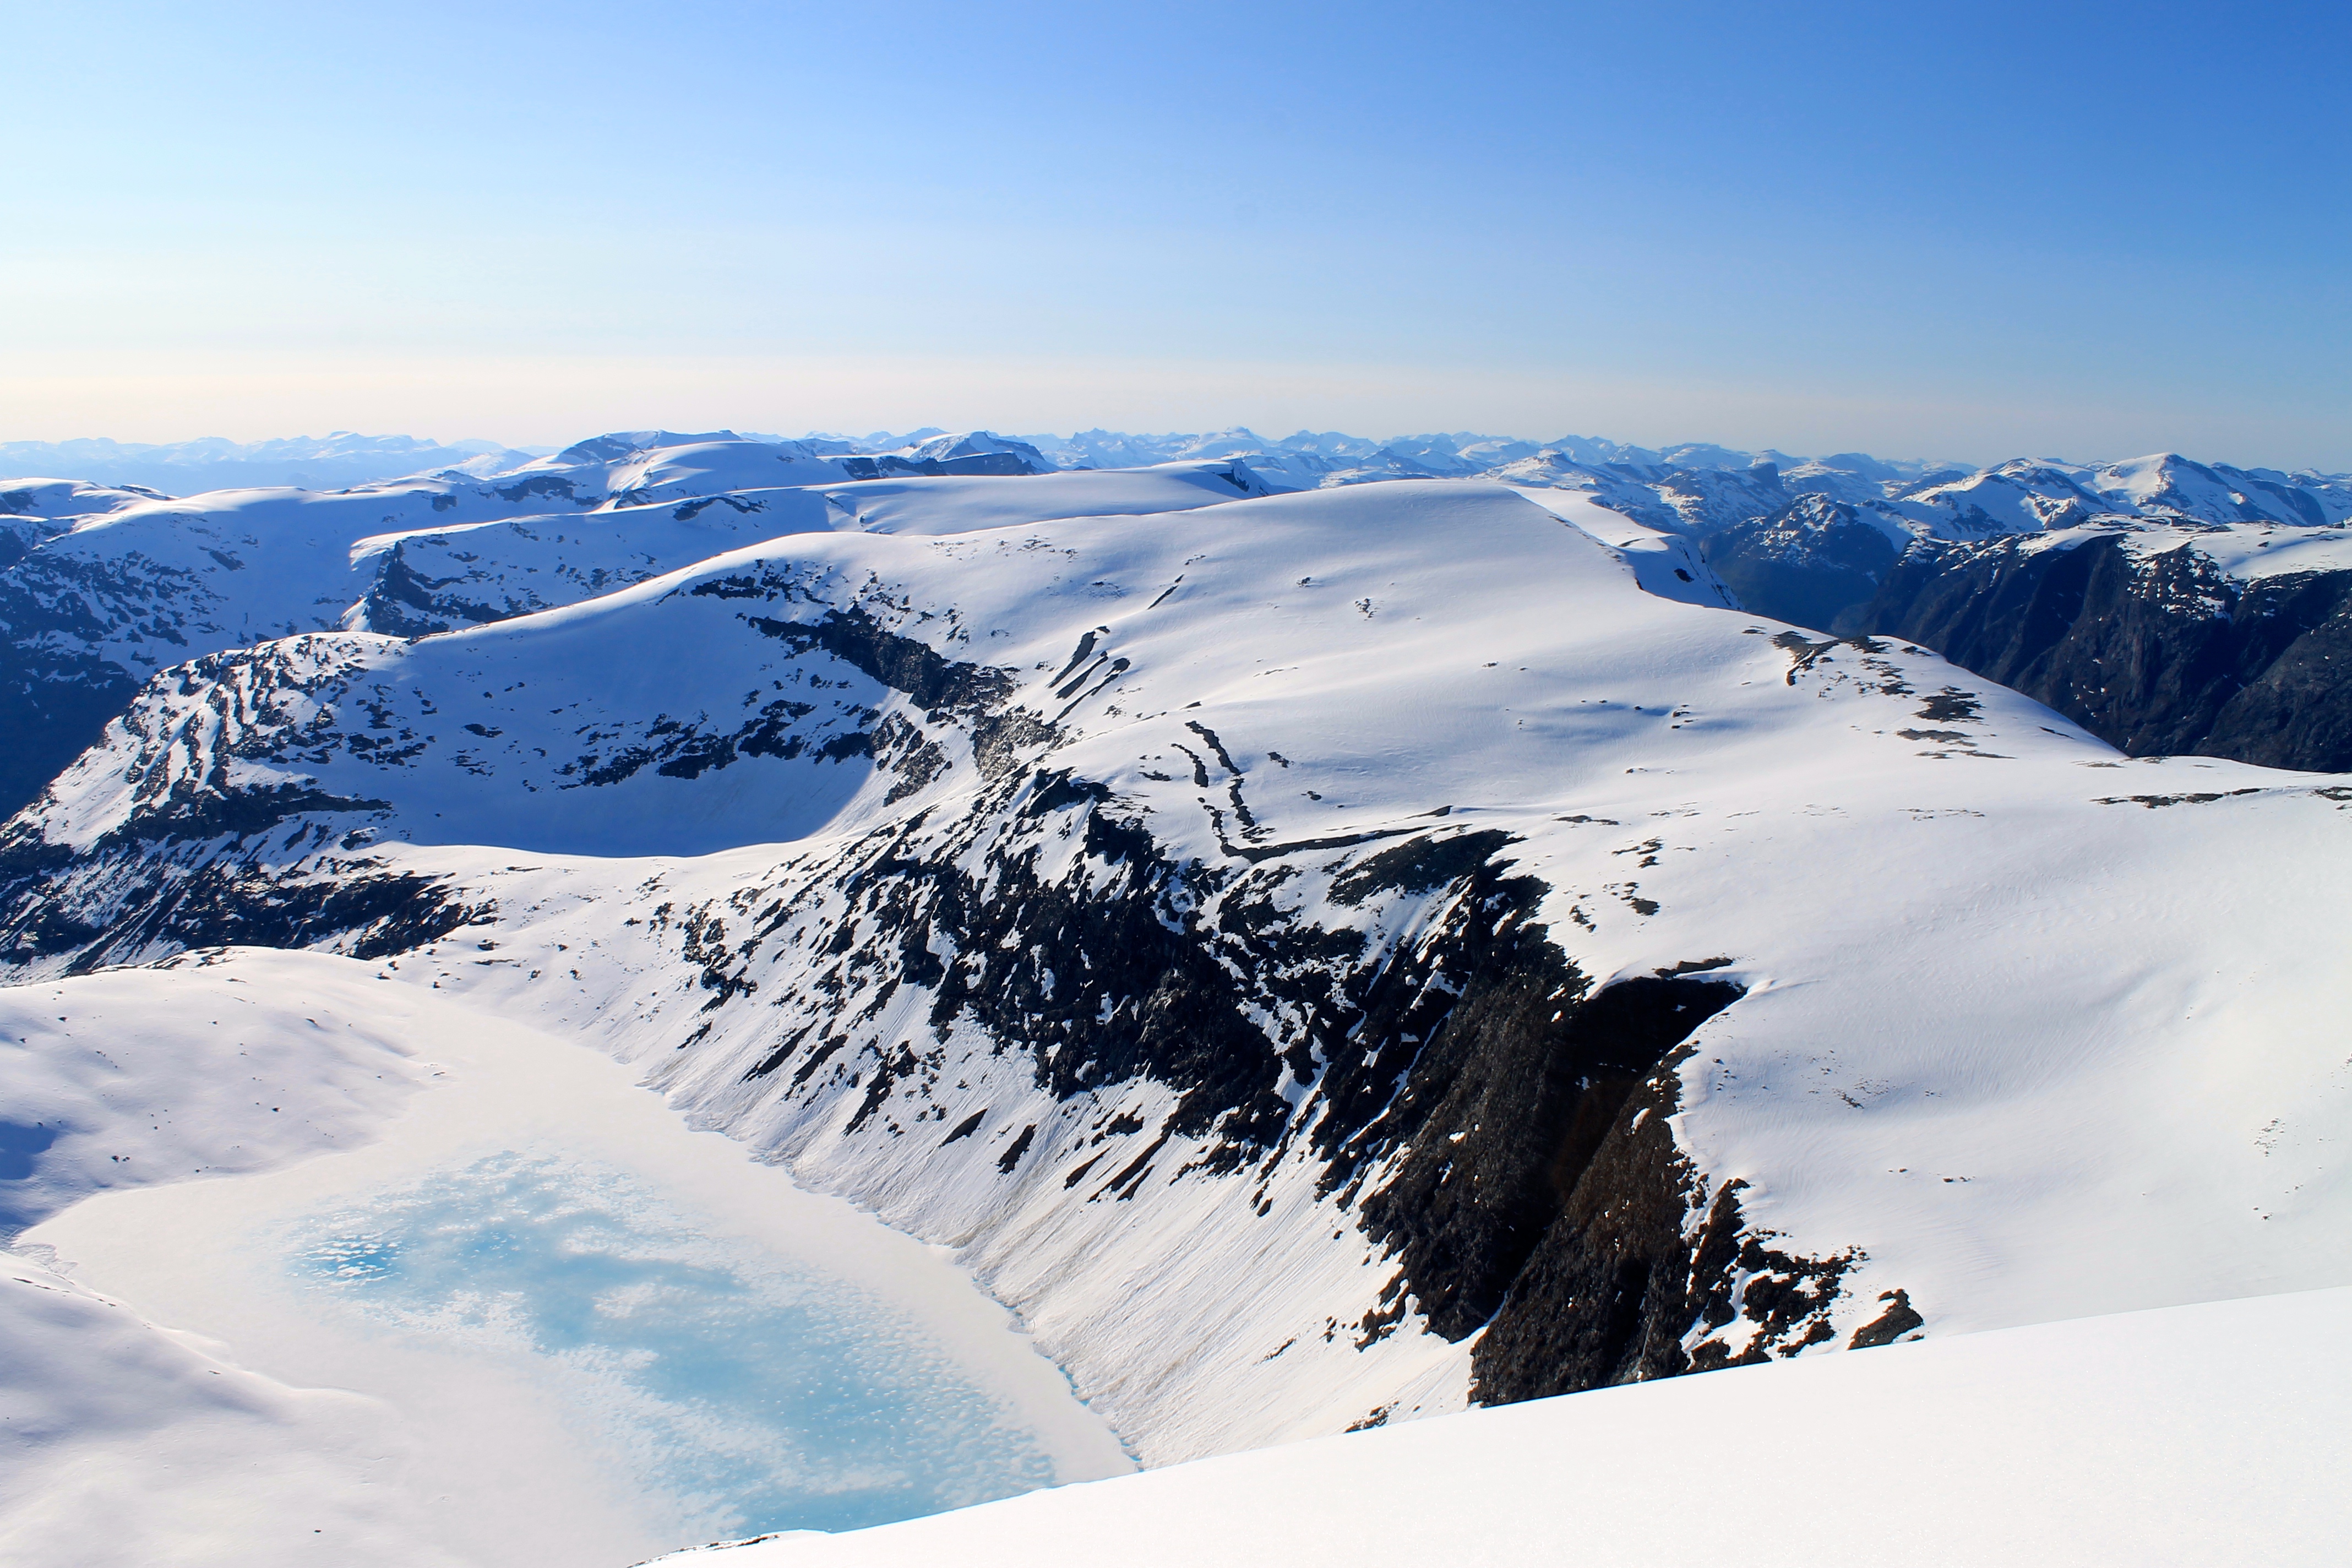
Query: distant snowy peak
point(951, 448)
point(646, 468)
point(2170, 485)
point(621, 445)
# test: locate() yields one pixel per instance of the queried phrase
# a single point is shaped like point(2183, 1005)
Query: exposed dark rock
point(350, 907)
point(1425, 862)
point(887, 464)
point(402, 602)
point(853, 636)
point(551, 485)
point(1638, 1259)
point(54, 706)
point(1504, 1109)
point(1889, 1326)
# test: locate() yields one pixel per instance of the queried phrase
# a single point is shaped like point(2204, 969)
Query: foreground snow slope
point(2192, 1435)
point(1322, 958)
point(125, 1445)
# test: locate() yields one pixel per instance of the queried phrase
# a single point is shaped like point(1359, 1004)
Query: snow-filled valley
point(714, 998)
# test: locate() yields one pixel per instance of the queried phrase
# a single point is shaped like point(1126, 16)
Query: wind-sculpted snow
point(1321, 958)
point(34, 510)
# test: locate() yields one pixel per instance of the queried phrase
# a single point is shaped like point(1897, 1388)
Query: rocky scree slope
point(1518, 981)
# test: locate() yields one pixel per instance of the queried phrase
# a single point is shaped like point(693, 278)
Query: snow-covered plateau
point(1146, 964)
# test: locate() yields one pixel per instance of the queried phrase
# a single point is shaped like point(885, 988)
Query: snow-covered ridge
point(2241, 552)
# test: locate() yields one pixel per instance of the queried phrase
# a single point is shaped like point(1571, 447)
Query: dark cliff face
point(1810, 563)
point(2161, 656)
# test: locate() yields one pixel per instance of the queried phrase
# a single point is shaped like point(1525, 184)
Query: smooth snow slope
point(2027, 1031)
point(2202, 1434)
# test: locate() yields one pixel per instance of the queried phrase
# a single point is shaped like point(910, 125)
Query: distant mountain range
point(304, 462)
point(1305, 459)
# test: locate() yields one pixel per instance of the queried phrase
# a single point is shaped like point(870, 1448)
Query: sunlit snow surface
point(759, 1396)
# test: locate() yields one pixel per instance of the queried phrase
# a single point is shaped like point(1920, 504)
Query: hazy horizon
point(843, 432)
point(1973, 231)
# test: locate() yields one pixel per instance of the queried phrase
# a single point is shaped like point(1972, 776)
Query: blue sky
point(1959, 231)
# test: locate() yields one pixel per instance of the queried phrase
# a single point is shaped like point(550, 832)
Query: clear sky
point(1967, 231)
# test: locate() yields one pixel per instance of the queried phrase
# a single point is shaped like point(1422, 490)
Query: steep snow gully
point(1317, 959)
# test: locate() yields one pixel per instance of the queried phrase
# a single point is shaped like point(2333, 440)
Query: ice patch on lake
point(757, 1393)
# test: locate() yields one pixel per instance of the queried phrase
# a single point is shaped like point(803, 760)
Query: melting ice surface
point(757, 1393)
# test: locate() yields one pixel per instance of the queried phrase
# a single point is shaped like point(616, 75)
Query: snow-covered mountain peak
point(2019, 496)
point(2168, 485)
point(946, 448)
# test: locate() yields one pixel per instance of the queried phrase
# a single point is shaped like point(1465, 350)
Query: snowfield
point(1319, 960)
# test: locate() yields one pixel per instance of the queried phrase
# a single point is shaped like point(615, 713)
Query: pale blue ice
point(754, 1392)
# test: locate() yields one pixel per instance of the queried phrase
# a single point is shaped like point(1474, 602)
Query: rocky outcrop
point(1641, 1273)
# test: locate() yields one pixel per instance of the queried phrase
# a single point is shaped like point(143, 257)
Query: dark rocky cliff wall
point(2157, 657)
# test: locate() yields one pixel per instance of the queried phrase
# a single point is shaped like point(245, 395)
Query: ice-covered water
point(757, 1393)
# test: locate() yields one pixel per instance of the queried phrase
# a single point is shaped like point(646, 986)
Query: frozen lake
point(759, 1393)
point(538, 1319)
